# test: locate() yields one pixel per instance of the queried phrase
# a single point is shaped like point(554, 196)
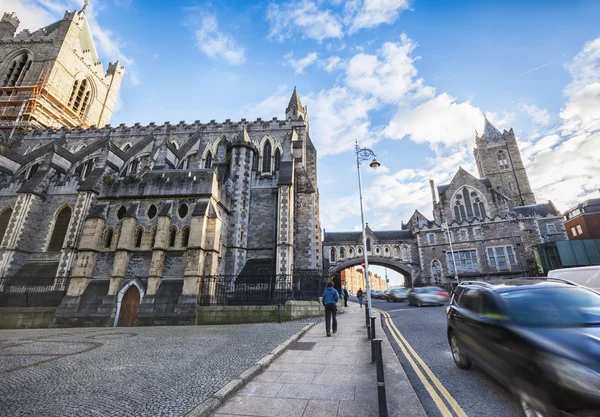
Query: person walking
point(346, 295)
point(330, 299)
point(360, 296)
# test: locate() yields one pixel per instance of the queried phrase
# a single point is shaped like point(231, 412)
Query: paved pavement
point(333, 377)
point(424, 329)
point(141, 371)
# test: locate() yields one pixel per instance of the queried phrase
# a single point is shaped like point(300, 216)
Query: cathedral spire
point(294, 108)
point(490, 133)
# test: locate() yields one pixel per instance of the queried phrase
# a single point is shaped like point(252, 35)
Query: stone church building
point(95, 215)
point(482, 227)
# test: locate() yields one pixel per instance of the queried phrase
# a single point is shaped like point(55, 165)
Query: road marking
point(404, 346)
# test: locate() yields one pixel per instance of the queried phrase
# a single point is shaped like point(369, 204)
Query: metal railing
point(30, 291)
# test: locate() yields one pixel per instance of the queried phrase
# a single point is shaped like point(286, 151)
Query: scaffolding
point(35, 107)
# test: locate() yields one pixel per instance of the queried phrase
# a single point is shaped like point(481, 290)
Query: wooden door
point(129, 306)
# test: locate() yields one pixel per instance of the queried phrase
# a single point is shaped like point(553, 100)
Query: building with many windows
point(481, 227)
point(583, 220)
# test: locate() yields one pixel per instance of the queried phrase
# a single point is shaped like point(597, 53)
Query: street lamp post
point(364, 154)
point(446, 228)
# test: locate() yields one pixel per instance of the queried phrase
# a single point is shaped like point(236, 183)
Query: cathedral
point(482, 227)
point(106, 220)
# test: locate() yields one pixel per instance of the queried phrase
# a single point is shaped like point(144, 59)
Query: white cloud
point(361, 14)
point(440, 120)
point(389, 75)
point(584, 68)
point(538, 116)
point(35, 14)
point(305, 18)
point(216, 44)
point(332, 63)
point(272, 106)
point(299, 65)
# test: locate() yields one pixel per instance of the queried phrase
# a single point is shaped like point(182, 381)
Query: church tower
point(52, 77)
point(499, 159)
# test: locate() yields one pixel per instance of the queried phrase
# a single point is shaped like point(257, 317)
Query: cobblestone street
point(141, 371)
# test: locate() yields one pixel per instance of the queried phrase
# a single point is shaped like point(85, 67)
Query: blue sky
point(409, 78)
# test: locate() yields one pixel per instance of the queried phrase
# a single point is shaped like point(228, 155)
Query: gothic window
point(368, 245)
point(108, 237)
point(502, 160)
point(436, 270)
point(80, 97)
point(266, 166)
point(468, 205)
point(254, 162)
point(387, 251)
point(185, 236)
point(152, 211)
point(83, 170)
point(182, 210)
point(332, 255)
point(17, 70)
point(396, 251)
point(121, 212)
point(359, 250)
point(126, 147)
point(31, 171)
point(431, 238)
point(153, 237)
point(208, 160)
point(350, 252)
point(172, 237)
point(139, 233)
point(277, 159)
point(60, 229)
point(404, 253)
point(377, 251)
point(4, 219)
point(342, 253)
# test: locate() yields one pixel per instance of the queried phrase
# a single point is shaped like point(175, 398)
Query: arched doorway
point(129, 306)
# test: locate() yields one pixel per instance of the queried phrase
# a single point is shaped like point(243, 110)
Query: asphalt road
point(424, 328)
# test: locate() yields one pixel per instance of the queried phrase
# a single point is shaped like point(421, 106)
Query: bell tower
point(499, 159)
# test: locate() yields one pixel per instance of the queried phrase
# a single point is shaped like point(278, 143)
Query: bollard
point(278, 313)
point(367, 314)
point(381, 399)
point(373, 327)
point(368, 332)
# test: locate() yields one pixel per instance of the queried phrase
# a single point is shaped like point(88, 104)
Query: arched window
point(83, 170)
point(172, 237)
point(152, 210)
point(359, 250)
point(60, 229)
point(17, 70)
point(468, 205)
point(4, 219)
point(436, 270)
point(254, 162)
point(126, 147)
point(332, 255)
point(277, 159)
point(350, 252)
point(108, 237)
point(153, 237)
point(368, 245)
point(80, 97)
point(342, 253)
point(139, 233)
point(30, 172)
point(502, 160)
point(266, 166)
point(405, 253)
point(208, 160)
point(185, 236)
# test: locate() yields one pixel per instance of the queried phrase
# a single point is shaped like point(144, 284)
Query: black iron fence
point(32, 291)
point(260, 289)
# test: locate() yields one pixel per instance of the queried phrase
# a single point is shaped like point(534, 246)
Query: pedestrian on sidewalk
point(330, 299)
point(345, 297)
point(360, 295)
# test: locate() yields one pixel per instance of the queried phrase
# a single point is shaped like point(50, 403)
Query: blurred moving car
point(538, 337)
point(376, 294)
point(423, 296)
point(588, 276)
point(396, 294)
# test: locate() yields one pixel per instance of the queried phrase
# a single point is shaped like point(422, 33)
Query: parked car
point(427, 296)
point(396, 294)
point(539, 337)
point(588, 276)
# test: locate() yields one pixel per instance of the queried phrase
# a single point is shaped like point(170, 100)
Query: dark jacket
point(360, 293)
point(330, 296)
point(345, 293)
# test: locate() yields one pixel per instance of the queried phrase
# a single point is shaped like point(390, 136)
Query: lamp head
point(374, 164)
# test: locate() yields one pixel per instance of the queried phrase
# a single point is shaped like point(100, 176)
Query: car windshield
point(553, 307)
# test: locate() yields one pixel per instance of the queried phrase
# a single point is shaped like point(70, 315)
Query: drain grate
point(303, 346)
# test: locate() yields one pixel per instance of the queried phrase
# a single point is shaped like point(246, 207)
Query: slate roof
point(542, 209)
point(490, 133)
point(341, 237)
point(336, 237)
point(393, 235)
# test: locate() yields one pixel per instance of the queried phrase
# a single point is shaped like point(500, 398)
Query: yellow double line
point(415, 360)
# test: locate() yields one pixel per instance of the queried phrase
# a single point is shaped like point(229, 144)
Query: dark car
point(538, 337)
point(376, 294)
point(423, 296)
point(396, 294)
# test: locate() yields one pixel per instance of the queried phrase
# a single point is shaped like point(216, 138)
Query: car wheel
point(534, 403)
point(460, 359)
point(419, 302)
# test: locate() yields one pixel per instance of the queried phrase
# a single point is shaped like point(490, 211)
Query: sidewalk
point(323, 376)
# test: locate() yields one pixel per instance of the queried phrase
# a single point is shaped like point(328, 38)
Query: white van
point(588, 276)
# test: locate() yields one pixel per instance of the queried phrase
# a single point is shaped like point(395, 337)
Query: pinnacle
point(294, 100)
point(490, 133)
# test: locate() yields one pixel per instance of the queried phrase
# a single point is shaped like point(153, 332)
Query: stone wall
point(26, 317)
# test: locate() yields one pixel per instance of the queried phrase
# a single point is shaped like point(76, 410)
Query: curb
point(213, 402)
